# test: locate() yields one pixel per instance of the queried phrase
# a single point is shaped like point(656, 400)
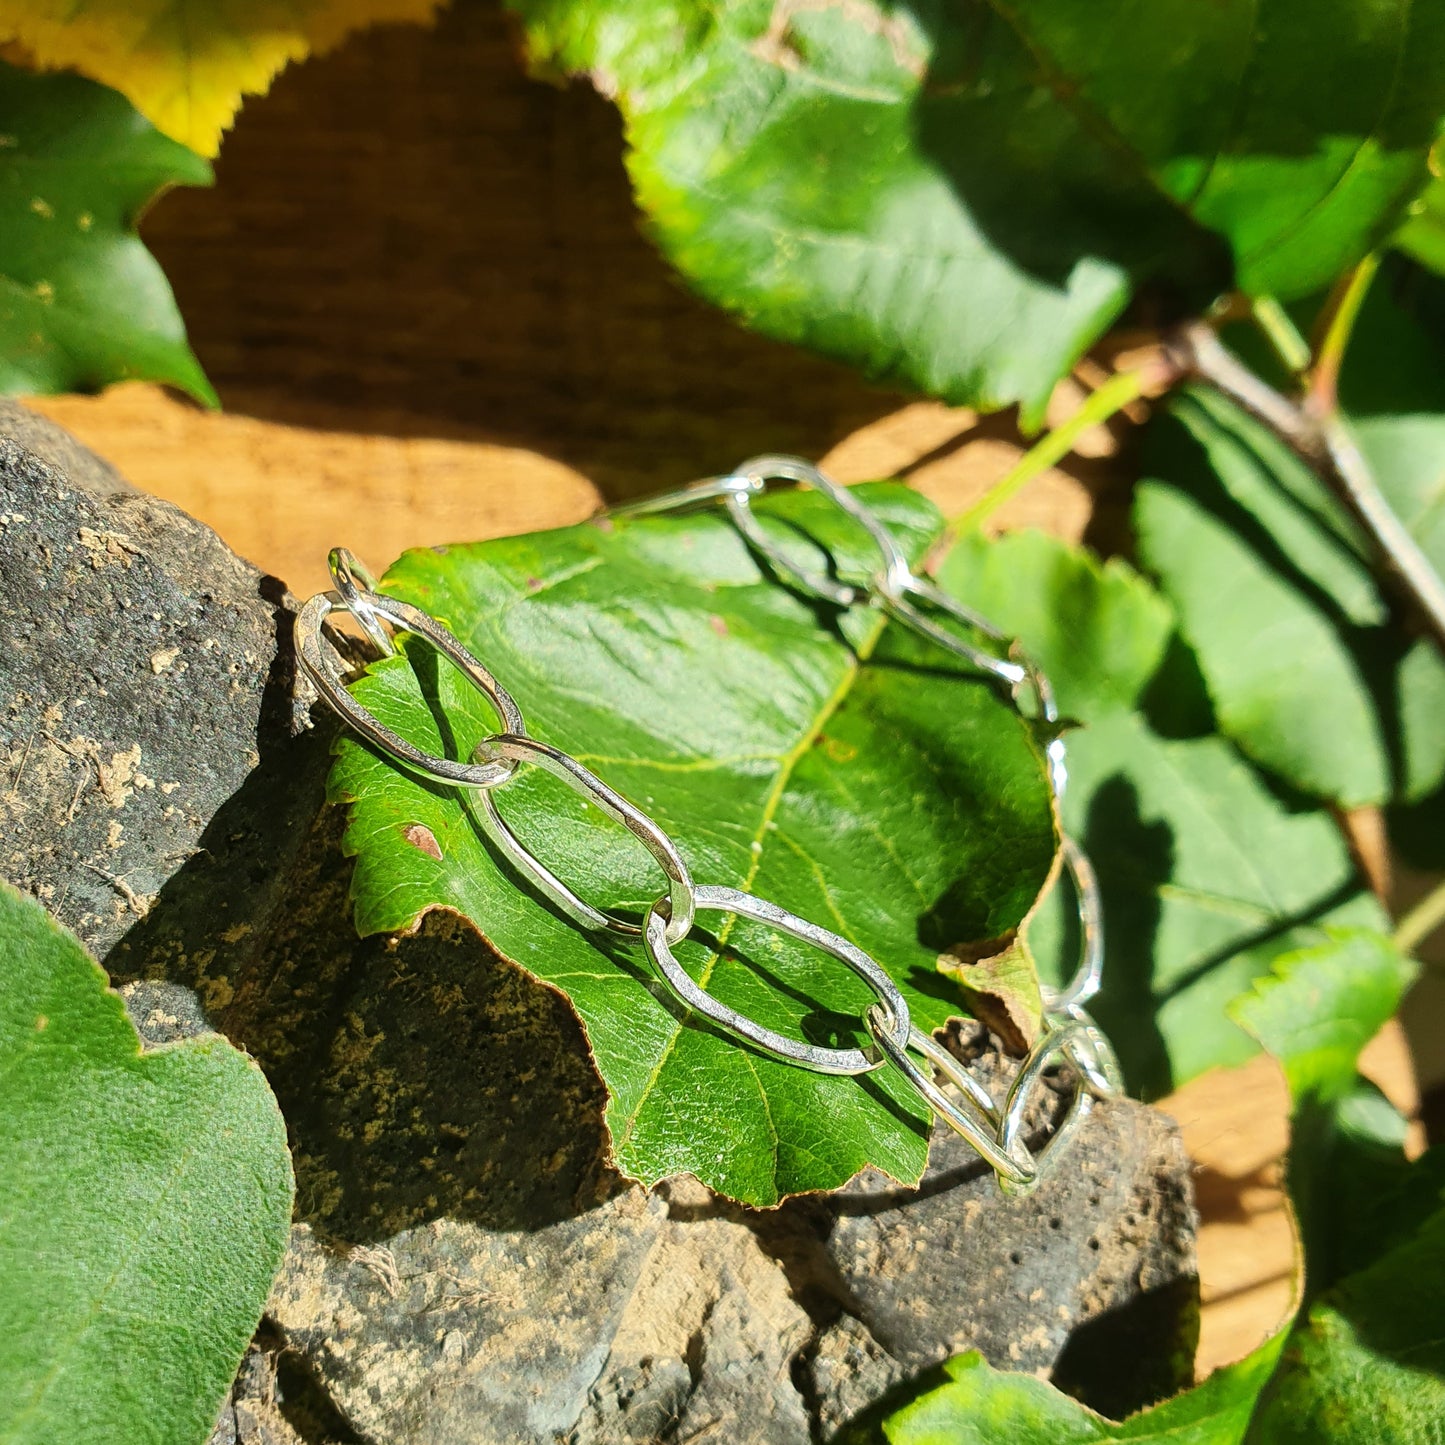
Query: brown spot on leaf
point(41, 1023)
point(718, 624)
point(777, 45)
point(422, 837)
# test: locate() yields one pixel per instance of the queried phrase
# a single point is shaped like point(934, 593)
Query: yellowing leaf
point(186, 64)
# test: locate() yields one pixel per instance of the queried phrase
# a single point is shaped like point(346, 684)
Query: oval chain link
point(322, 665)
point(681, 894)
point(1069, 1036)
point(820, 1060)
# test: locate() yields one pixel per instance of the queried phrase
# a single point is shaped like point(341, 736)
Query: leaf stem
point(1113, 396)
point(1421, 920)
point(1282, 334)
point(1332, 333)
point(1324, 443)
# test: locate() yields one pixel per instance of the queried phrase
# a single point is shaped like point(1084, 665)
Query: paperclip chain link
point(1068, 1034)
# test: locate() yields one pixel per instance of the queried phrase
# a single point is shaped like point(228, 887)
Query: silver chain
point(1067, 1035)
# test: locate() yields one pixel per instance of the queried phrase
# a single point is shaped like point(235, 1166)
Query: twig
point(1332, 335)
point(24, 758)
point(1422, 920)
point(1200, 353)
point(1281, 332)
point(381, 1263)
point(138, 905)
point(86, 761)
point(1324, 444)
point(1113, 396)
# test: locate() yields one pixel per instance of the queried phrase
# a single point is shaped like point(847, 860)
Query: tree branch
point(1322, 442)
point(1422, 920)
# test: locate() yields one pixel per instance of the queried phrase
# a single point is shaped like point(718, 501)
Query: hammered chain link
point(1068, 1035)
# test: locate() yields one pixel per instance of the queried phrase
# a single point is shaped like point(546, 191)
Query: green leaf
point(82, 302)
point(1347, 1170)
point(982, 1406)
point(962, 198)
point(874, 791)
point(1423, 235)
point(1207, 874)
point(1308, 668)
point(1322, 1005)
point(1367, 1367)
point(145, 1201)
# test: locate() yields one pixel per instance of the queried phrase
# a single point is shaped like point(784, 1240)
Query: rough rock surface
point(146, 718)
point(1097, 1262)
point(466, 1267)
point(450, 1332)
point(683, 1315)
point(252, 1414)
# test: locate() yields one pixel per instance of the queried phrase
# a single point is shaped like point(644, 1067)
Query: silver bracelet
point(1067, 1034)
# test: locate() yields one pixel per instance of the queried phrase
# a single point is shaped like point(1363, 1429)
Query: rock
point(466, 1267)
point(452, 1332)
point(252, 1414)
point(685, 1315)
point(163, 1013)
point(147, 729)
point(1106, 1240)
point(849, 1373)
point(707, 1341)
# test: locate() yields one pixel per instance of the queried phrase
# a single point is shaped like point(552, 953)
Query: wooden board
point(421, 291)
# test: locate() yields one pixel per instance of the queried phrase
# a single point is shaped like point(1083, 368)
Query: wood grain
point(422, 293)
point(1236, 1128)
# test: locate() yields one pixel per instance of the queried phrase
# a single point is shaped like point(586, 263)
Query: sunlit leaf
point(812, 758)
point(964, 197)
point(979, 1405)
point(187, 64)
